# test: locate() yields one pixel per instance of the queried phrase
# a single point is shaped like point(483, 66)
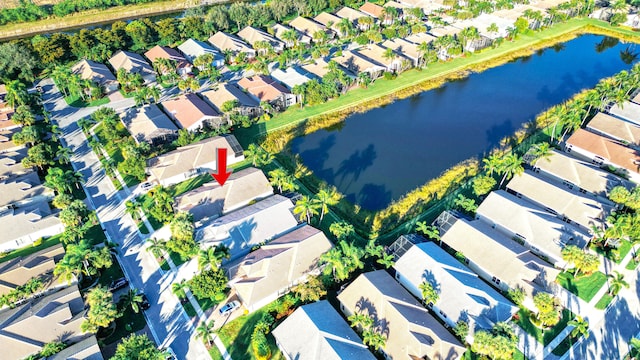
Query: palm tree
point(290, 37)
point(359, 320)
point(178, 289)
point(334, 265)
point(156, 246)
point(16, 93)
point(325, 198)
point(581, 327)
point(616, 283)
point(207, 258)
point(511, 165)
point(132, 298)
point(306, 208)
point(133, 208)
point(299, 90)
point(205, 331)
point(634, 343)
point(492, 164)
point(429, 294)
point(63, 154)
point(386, 260)
point(283, 181)
point(364, 79)
point(373, 339)
point(541, 151)
point(430, 231)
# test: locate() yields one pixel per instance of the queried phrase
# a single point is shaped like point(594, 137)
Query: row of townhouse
point(25, 215)
point(243, 214)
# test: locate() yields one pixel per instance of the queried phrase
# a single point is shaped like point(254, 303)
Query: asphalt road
point(166, 318)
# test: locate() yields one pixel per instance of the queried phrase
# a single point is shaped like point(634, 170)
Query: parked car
point(229, 308)
point(169, 354)
point(144, 305)
point(118, 284)
point(146, 186)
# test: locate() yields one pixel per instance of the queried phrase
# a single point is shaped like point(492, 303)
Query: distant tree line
point(28, 11)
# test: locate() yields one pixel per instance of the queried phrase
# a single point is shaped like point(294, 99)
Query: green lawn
point(30, 249)
point(632, 264)
point(95, 235)
point(126, 324)
point(622, 251)
point(76, 101)
point(215, 353)
point(585, 287)
point(188, 308)
point(604, 302)
point(236, 336)
point(543, 337)
point(110, 274)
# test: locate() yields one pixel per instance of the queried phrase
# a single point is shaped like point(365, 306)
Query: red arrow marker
point(221, 165)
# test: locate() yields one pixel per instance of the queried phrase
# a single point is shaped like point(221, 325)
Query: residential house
point(133, 63)
point(623, 131)
point(245, 104)
point(290, 77)
point(463, 296)
point(87, 349)
point(265, 88)
point(329, 21)
point(265, 274)
point(405, 48)
point(6, 111)
point(149, 124)
point(190, 112)
point(191, 160)
point(96, 72)
point(252, 35)
point(225, 42)
point(579, 175)
point(356, 63)
point(570, 206)
point(410, 331)
point(440, 31)
point(627, 110)
point(18, 271)
point(23, 190)
point(352, 14)
point(183, 67)
point(376, 53)
point(541, 232)
point(23, 226)
point(602, 151)
point(317, 331)
point(211, 200)
point(309, 27)
point(6, 142)
point(495, 257)
point(250, 226)
point(192, 49)
point(419, 38)
point(11, 164)
point(318, 68)
point(28, 327)
point(375, 11)
point(279, 31)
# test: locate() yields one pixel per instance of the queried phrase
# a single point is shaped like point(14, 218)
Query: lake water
point(378, 156)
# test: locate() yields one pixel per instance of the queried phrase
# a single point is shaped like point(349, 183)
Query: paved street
point(166, 318)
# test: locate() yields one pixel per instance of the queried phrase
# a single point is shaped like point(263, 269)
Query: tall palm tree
point(430, 231)
point(178, 289)
point(373, 339)
point(283, 181)
point(325, 198)
point(290, 37)
point(616, 283)
point(360, 320)
point(205, 331)
point(492, 164)
point(581, 327)
point(334, 265)
point(305, 207)
point(207, 258)
point(429, 294)
point(132, 298)
point(156, 246)
point(16, 93)
point(63, 154)
point(511, 165)
point(541, 151)
point(133, 208)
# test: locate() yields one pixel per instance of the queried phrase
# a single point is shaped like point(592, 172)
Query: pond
point(377, 156)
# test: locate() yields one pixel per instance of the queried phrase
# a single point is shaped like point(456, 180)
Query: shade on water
point(377, 156)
